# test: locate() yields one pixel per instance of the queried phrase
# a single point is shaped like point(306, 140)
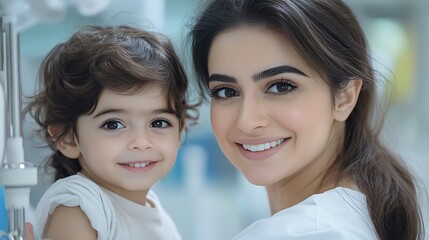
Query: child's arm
point(69, 223)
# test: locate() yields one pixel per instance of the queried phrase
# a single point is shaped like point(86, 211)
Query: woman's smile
point(260, 87)
point(262, 151)
point(263, 146)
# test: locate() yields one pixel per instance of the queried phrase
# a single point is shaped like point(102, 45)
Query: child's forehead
point(144, 98)
point(151, 88)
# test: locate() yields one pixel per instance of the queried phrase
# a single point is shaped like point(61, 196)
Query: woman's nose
point(253, 115)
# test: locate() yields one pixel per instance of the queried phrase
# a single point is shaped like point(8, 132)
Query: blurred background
point(205, 195)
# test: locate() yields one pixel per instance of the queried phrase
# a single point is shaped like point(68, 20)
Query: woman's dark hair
point(329, 38)
point(119, 58)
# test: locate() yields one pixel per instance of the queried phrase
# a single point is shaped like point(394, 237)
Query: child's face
point(272, 114)
point(129, 142)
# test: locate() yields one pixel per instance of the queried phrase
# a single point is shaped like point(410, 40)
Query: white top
point(112, 216)
point(339, 214)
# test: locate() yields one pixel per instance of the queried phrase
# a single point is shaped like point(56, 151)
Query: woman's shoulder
point(338, 201)
point(339, 213)
point(346, 210)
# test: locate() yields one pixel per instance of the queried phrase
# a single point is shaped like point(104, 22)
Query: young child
point(112, 107)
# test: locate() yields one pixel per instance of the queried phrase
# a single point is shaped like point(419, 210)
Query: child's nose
point(140, 140)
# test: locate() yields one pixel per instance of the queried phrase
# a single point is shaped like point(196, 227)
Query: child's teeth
point(138, 165)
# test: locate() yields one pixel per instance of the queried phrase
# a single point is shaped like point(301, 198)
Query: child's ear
point(345, 101)
point(67, 145)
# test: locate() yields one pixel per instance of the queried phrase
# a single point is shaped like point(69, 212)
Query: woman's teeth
point(262, 147)
point(138, 165)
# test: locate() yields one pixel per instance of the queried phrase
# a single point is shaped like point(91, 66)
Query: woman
point(292, 107)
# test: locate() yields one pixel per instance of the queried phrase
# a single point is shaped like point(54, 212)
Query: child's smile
point(129, 142)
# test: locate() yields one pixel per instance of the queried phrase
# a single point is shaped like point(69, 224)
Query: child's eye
point(223, 92)
point(160, 123)
point(113, 124)
point(282, 87)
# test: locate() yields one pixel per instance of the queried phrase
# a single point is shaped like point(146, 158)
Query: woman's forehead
point(254, 49)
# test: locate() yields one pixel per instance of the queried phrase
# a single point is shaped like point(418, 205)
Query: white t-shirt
point(112, 216)
point(339, 214)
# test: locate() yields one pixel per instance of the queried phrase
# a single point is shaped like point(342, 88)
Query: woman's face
point(272, 114)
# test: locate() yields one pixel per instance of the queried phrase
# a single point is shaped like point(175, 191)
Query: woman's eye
point(223, 93)
point(281, 87)
point(113, 124)
point(160, 124)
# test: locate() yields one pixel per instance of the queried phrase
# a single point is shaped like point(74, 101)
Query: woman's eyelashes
point(223, 92)
point(276, 87)
point(281, 87)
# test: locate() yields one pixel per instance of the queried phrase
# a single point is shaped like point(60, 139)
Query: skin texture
point(124, 129)
point(293, 105)
point(74, 218)
point(28, 231)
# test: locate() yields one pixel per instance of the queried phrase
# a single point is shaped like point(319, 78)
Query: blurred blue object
point(3, 215)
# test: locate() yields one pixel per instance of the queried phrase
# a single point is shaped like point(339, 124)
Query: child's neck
point(139, 197)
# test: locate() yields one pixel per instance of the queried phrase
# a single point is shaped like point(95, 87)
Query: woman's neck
point(322, 174)
point(287, 194)
point(318, 176)
point(291, 192)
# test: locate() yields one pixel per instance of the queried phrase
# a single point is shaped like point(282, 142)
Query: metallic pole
point(16, 175)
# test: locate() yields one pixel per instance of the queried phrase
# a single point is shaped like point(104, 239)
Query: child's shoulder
point(77, 184)
point(73, 191)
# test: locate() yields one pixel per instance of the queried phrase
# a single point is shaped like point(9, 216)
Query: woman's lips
point(263, 150)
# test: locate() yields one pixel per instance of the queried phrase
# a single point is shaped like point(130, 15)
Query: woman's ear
point(67, 145)
point(345, 101)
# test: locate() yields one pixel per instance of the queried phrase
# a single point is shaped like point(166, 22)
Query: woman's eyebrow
point(276, 71)
point(258, 76)
point(222, 78)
